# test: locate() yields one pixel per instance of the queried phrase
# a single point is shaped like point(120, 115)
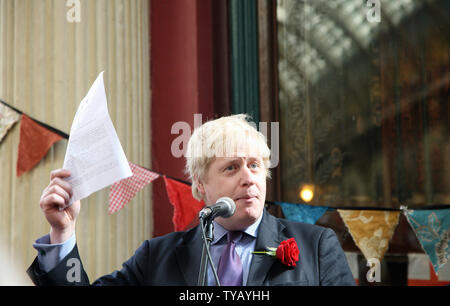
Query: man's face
point(243, 179)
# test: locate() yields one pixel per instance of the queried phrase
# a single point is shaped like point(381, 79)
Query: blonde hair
point(223, 137)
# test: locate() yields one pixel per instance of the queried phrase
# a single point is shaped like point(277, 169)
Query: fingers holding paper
point(54, 204)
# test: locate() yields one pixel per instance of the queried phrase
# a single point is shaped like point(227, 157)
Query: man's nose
point(247, 176)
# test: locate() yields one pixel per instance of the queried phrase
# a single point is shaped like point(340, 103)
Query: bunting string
point(48, 127)
point(370, 227)
point(66, 136)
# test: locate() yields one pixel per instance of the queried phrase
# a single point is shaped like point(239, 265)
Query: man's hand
point(53, 200)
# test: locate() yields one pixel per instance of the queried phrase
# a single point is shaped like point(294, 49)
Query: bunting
point(35, 141)
point(7, 119)
point(302, 212)
point(371, 230)
point(121, 192)
point(185, 206)
point(432, 228)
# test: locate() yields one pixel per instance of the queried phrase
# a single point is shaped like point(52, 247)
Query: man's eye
point(230, 168)
point(254, 165)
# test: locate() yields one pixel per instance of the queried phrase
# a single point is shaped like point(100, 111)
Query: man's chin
point(241, 219)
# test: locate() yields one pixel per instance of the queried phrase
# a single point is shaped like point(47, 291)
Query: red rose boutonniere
point(287, 252)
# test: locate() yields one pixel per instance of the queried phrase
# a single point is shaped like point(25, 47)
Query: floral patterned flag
point(432, 228)
point(371, 230)
point(7, 119)
point(302, 212)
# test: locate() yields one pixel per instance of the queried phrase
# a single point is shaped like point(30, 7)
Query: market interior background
point(360, 92)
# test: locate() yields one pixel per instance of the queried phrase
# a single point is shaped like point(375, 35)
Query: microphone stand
point(207, 228)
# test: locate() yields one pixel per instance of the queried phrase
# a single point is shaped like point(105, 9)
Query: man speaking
point(226, 158)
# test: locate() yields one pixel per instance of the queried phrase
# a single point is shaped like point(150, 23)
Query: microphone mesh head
point(230, 203)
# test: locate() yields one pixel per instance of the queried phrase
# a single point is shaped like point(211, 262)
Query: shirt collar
point(219, 231)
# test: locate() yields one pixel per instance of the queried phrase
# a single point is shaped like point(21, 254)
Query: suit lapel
point(269, 235)
point(188, 256)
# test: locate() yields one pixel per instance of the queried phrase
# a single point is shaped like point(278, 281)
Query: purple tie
point(230, 266)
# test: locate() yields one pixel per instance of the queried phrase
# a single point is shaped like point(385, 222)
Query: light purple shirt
point(244, 248)
point(49, 255)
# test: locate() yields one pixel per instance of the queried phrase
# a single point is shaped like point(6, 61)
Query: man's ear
point(200, 186)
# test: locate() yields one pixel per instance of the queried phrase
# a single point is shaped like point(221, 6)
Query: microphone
point(224, 208)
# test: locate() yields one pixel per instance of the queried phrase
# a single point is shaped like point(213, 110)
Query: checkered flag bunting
point(123, 191)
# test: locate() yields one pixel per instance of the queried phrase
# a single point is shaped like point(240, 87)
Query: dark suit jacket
point(174, 259)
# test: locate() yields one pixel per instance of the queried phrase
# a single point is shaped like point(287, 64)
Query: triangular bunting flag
point(185, 206)
point(35, 141)
point(121, 192)
point(7, 119)
point(432, 228)
point(302, 212)
point(371, 230)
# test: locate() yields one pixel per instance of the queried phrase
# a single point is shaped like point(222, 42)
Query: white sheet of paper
point(94, 155)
